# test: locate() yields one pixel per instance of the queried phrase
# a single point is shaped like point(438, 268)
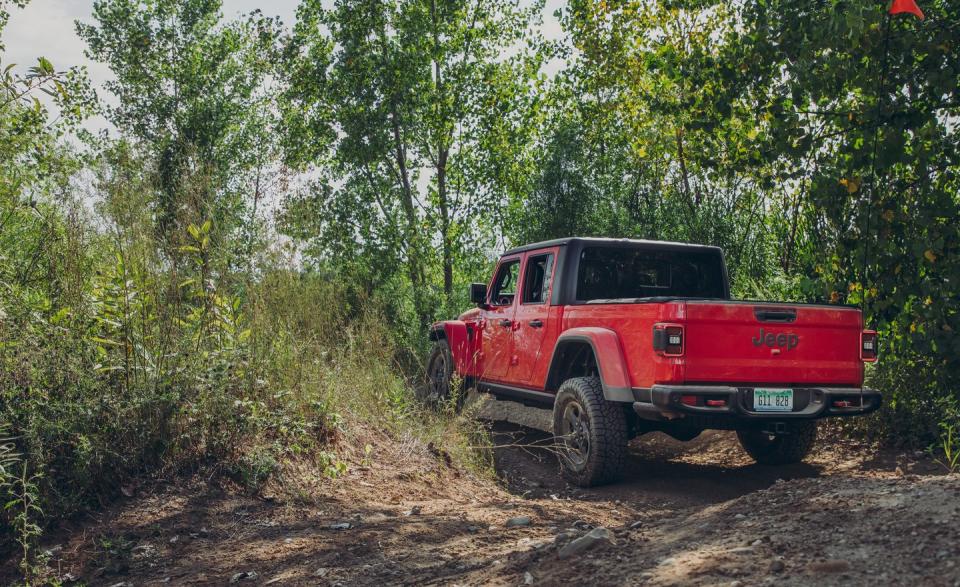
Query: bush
point(918, 399)
point(160, 368)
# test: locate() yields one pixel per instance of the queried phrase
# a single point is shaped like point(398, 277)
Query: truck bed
point(734, 341)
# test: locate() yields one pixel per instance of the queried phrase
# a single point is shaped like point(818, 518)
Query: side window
point(536, 282)
point(505, 284)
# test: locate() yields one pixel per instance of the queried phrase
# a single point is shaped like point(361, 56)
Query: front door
point(498, 320)
point(531, 317)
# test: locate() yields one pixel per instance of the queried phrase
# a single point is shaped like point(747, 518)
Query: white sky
point(46, 28)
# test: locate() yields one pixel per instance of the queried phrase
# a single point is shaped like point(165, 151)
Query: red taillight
point(668, 339)
point(688, 400)
point(868, 346)
point(716, 403)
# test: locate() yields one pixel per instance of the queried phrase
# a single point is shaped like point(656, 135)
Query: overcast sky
point(46, 28)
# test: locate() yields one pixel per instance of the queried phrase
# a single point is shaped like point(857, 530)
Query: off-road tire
point(441, 383)
point(605, 455)
point(780, 449)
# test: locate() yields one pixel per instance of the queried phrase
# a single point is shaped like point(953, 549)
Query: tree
point(195, 93)
point(412, 105)
point(871, 104)
point(666, 144)
point(35, 167)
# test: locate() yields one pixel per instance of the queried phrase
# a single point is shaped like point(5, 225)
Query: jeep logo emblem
point(771, 340)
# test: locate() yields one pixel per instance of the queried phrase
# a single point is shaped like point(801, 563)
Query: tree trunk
point(445, 223)
point(443, 154)
point(683, 173)
point(414, 269)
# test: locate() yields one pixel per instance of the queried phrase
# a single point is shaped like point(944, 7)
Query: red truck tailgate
point(761, 343)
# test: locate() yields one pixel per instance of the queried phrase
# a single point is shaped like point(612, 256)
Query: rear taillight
point(668, 339)
point(868, 346)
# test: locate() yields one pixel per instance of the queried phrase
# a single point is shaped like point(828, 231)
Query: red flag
point(906, 6)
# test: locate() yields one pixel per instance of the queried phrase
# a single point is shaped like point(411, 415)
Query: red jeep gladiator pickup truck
point(623, 337)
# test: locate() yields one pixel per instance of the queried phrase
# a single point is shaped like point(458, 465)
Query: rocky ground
point(695, 513)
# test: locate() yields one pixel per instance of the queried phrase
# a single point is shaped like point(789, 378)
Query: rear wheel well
point(573, 358)
point(437, 334)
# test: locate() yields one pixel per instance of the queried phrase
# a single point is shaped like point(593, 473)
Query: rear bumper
point(662, 402)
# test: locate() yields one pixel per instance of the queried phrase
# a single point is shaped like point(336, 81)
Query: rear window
point(608, 273)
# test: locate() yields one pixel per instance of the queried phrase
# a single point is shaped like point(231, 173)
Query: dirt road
point(695, 513)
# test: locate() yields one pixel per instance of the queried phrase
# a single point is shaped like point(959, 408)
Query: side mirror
point(478, 293)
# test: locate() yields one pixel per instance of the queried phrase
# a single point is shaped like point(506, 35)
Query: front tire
point(591, 433)
point(439, 387)
point(779, 449)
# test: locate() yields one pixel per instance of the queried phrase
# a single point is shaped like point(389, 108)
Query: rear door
point(532, 325)
point(497, 333)
point(757, 343)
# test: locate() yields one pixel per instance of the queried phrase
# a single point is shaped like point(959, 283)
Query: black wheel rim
point(575, 429)
point(438, 376)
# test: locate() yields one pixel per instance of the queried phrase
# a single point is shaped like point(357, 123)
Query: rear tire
point(590, 432)
point(779, 449)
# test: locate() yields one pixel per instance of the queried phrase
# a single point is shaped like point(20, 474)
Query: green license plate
point(772, 400)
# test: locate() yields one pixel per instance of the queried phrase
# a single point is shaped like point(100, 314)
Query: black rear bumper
point(663, 402)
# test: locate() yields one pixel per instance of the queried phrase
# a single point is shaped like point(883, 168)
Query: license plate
point(772, 400)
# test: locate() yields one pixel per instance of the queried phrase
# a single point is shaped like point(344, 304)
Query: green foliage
point(648, 137)
point(25, 513)
point(410, 116)
point(881, 197)
point(8, 456)
point(194, 93)
point(128, 346)
point(151, 321)
point(949, 447)
point(752, 127)
point(918, 397)
point(18, 493)
point(254, 469)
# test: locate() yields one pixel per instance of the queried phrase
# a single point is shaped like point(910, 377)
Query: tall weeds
point(136, 361)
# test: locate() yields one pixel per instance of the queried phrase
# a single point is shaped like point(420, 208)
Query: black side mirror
point(478, 293)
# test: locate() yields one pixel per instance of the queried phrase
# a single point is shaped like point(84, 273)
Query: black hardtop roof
point(662, 245)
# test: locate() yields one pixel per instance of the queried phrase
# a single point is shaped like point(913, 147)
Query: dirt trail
point(695, 513)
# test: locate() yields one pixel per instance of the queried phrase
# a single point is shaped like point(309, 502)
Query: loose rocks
point(592, 539)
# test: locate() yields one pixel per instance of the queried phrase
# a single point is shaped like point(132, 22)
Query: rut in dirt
point(661, 471)
point(685, 514)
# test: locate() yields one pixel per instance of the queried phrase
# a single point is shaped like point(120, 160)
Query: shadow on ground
point(661, 472)
point(417, 521)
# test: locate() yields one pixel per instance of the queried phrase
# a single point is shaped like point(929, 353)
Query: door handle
point(536, 323)
point(506, 323)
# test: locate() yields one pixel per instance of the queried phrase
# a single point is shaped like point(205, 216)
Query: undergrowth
point(947, 450)
point(158, 370)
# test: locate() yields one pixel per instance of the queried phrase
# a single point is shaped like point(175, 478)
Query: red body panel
point(609, 353)
point(723, 341)
point(721, 345)
point(532, 347)
point(455, 332)
point(532, 344)
point(496, 336)
point(633, 324)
